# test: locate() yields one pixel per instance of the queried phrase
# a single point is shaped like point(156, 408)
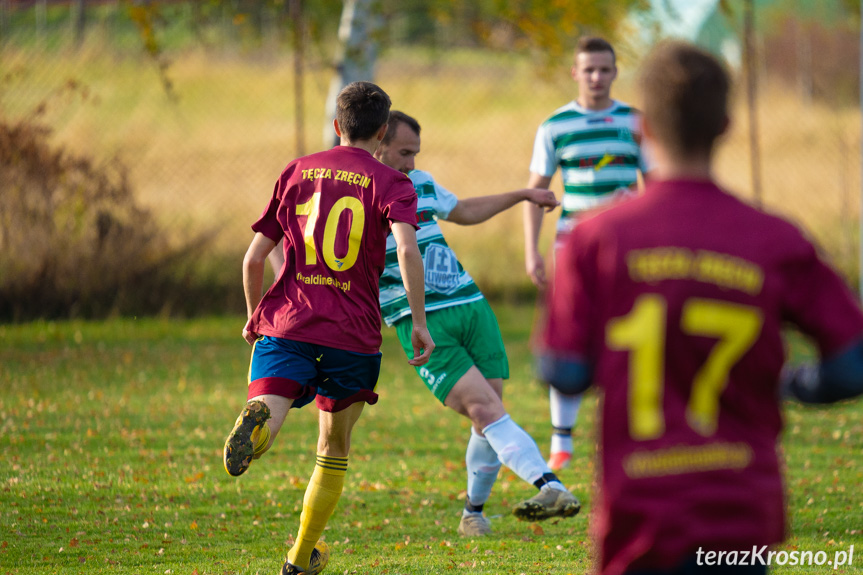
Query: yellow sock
point(262, 441)
point(322, 494)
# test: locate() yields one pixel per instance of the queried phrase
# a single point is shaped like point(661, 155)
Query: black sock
point(565, 431)
point(471, 508)
point(546, 478)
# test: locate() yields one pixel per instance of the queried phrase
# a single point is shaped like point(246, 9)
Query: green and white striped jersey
point(598, 153)
point(447, 283)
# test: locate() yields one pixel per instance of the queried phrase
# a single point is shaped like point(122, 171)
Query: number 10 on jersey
point(311, 209)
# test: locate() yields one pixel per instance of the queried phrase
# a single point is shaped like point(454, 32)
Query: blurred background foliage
point(141, 139)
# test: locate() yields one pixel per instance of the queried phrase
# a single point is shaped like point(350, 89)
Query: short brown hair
point(593, 44)
point(685, 91)
point(361, 109)
point(396, 118)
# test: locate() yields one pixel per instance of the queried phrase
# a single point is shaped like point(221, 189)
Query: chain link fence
point(206, 120)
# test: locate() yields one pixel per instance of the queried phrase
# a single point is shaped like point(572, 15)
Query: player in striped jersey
point(596, 142)
point(469, 364)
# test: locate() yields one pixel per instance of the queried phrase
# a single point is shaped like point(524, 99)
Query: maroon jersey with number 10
point(333, 210)
point(677, 300)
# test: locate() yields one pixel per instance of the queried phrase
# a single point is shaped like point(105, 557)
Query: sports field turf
point(111, 436)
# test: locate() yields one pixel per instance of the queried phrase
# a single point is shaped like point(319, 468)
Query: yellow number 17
point(642, 333)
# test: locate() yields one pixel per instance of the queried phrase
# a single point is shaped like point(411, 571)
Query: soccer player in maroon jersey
point(316, 332)
point(673, 304)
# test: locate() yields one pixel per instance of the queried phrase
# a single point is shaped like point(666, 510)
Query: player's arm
point(567, 375)
point(477, 210)
point(834, 379)
point(277, 259)
point(253, 277)
point(533, 262)
point(411, 267)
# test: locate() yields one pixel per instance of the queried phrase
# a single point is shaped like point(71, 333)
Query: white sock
point(561, 443)
point(516, 449)
point(482, 467)
point(564, 412)
point(563, 408)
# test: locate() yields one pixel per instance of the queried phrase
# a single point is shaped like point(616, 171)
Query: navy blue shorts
point(302, 371)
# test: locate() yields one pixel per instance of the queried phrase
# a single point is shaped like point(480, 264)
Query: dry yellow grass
point(210, 159)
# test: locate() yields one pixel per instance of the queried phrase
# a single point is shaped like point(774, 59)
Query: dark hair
point(594, 44)
point(361, 109)
point(685, 91)
point(396, 118)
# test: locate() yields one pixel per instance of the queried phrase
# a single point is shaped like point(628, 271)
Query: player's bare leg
point(480, 400)
point(279, 407)
point(254, 431)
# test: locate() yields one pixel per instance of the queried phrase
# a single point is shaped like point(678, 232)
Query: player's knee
point(334, 444)
point(484, 414)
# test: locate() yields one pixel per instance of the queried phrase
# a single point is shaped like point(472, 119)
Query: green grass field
point(111, 436)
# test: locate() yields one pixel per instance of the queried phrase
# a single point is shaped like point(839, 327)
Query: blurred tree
point(356, 55)
point(546, 29)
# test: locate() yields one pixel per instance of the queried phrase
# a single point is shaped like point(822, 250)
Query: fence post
point(5, 7)
point(77, 16)
point(860, 215)
point(296, 12)
point(751, 98)
point(40, 9)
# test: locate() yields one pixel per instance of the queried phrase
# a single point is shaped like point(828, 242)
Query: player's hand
point(542, 198)
point(423, 345)
point(250, 336)
point(535, 267)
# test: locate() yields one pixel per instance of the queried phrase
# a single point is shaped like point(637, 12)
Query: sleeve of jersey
point(570, 303)
point(820, 303)
point(267, 224)
point(401, 203)
point(446, 200)
point(543, 161)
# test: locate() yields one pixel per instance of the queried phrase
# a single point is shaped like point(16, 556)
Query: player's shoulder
point(420, 177)
point(758, 217)
point(314, 157)
point(566, 112)
point(429, 191)
point(320, 159)
point(787, 233)
point(394, 177)
point(623, 109)
point(627, 210)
